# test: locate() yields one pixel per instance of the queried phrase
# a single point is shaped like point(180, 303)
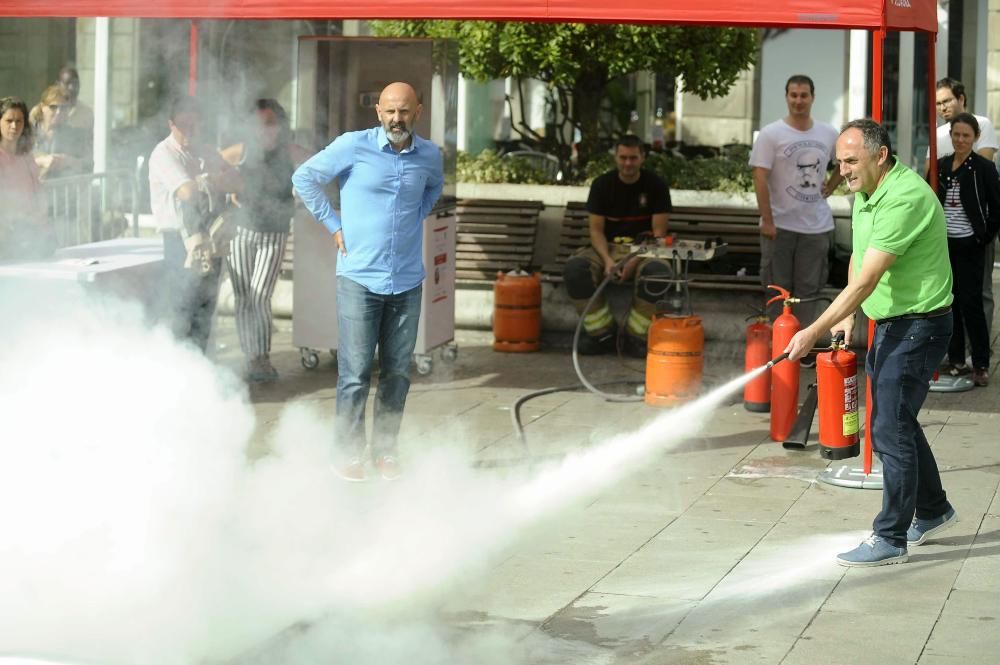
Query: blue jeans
point(900, 365)
point(365, 321)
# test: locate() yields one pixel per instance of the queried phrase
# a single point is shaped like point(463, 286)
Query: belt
point(940, 311)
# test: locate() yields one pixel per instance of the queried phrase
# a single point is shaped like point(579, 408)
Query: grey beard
point(398, 135)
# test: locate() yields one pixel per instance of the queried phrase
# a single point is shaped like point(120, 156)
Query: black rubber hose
point(515, 411)
point(579, 329)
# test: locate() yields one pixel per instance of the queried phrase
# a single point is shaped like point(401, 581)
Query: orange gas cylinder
point(837, 395)
point(674, 359)
point(517, 312)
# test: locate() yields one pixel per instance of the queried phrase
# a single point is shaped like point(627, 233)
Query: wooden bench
point(494, 235)
point(574, 234)
point(734, 226)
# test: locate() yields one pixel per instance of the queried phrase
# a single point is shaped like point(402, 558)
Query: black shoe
point(958, 369)
point(808, 360)
point(589, 345)
point(635, 346)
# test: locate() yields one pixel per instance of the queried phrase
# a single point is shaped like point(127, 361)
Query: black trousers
point(967, 264)
point(188, 298)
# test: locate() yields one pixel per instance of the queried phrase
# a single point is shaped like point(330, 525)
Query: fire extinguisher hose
point(774, 361)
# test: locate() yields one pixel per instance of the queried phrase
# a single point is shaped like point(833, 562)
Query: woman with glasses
point(969, 190)
point(60, 150)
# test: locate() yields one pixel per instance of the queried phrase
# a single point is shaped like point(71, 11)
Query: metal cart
point(314, 308)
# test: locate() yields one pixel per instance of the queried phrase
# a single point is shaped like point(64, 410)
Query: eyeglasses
point(54, 107)
point(944, 102)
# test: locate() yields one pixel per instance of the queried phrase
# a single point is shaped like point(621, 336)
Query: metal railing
point(544, 162)
point(93, 206)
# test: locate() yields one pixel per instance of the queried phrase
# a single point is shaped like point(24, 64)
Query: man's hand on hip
point(338, 237)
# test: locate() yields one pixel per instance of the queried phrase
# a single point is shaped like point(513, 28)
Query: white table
point(126, 267)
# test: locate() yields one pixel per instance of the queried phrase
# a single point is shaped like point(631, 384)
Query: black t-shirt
point(628, 209)
point(267, 189)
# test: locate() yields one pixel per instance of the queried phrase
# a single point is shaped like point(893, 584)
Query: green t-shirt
point(903, 217)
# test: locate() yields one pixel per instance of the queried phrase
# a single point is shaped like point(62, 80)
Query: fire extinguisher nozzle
point(777, 360)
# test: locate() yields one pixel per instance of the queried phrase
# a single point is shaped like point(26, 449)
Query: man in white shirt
point(951, 101)
point(188, 182)
point(789, 161)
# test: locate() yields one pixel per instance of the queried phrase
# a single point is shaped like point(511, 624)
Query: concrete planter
point(558, 195)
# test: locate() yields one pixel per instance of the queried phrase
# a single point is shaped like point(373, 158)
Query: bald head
point(400, 92)
point(69, 81)
point(398, 110)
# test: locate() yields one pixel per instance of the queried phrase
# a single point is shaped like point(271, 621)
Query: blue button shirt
point(384, 197)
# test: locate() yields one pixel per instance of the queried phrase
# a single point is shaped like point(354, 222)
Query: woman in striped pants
point(266, 161)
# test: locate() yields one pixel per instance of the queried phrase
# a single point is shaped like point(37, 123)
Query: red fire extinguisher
point(784, 377)
point(837, 386)
point(757, 393)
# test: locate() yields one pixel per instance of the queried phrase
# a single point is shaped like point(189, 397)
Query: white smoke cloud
point(136, 529)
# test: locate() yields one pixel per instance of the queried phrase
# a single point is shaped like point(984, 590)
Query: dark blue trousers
point(900, 365)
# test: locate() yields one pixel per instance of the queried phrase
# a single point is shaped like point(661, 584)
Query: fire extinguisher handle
point(838, 339)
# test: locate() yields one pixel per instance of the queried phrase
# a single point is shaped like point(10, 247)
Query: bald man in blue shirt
point(390, 179)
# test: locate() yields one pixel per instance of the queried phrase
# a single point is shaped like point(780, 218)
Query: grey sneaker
point(874, 551)
point(921, 530)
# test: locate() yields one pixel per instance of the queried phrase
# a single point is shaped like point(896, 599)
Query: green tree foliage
point(726, 172)
point(581, 62)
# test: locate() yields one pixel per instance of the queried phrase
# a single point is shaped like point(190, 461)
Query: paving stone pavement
point(717, 551)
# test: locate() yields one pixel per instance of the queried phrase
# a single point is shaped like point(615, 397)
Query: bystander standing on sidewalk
point(390, 179)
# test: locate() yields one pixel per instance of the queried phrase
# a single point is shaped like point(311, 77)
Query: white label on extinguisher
point(850, 405)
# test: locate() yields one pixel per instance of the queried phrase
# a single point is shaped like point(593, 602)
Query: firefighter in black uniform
point(624, 205)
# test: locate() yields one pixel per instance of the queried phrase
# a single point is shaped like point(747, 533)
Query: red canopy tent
point(861, 14)
point(878, 16)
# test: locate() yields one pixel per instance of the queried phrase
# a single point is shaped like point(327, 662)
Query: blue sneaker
point(921, 530)
point(874, 551)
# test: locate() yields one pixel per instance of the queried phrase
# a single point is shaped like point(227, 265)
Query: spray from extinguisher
point(837, 386)
point(757, 393)
point(784, 379)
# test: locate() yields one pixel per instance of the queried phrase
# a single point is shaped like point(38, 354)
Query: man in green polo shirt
point(901, 278)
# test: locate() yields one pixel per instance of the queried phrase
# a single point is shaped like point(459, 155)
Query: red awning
point(867, 14)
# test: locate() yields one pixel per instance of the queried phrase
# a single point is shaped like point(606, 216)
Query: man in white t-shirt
point(951, 101)
point(790, 159)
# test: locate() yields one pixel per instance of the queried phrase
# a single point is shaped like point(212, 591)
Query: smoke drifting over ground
point(135, 530)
